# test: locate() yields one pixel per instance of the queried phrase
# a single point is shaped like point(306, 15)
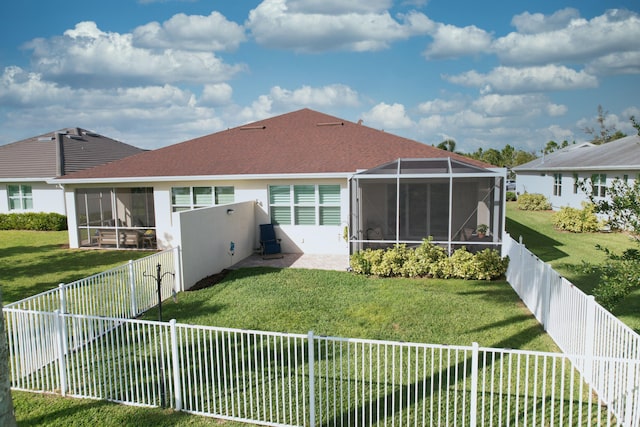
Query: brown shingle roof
point(58, 153)
point(304, 141)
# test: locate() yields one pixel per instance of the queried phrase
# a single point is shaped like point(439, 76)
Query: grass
point(454, 312)
point(566, 253)
point(331, 303)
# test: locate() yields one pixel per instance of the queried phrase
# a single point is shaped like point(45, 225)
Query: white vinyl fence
point(580, 326)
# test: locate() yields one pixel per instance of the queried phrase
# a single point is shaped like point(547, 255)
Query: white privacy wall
point(205, 236)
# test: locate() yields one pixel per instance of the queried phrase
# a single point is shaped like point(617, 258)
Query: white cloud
point(440, 106)
point(616, 63)
point(579, 40)
point(325, 96)
point(216, 94)
point(191, 32)
point(335, 7)
point(533, 23)
point(387, 116)
point(523, 80)
point(517, 105)
point(87, 56)
point(450, 41)
point(273, 24)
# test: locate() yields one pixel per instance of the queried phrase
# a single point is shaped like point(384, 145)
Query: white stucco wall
point(46, 198)
point(206, 235)
point(543, 183)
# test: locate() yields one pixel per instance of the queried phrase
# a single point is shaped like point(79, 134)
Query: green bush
point(33, 221)
point(577, 220)
point(511, 196)
point(429, 260)
point(533, 202)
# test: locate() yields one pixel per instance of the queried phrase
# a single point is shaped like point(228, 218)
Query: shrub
point(33, 221)
point(392, 261)
point(429, 260)
point(577, 220)
point(511, 196)
point(490, 264)
point(422, 260)
point(533, 202)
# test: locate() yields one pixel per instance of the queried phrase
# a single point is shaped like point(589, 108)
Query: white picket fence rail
point(579, 326)
point(79, 340)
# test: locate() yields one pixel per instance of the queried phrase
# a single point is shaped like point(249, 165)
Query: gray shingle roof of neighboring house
point(59, 153)
point(300, 142)
point(621, 154)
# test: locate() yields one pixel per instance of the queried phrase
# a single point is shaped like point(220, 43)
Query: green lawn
point(566, 252)
point(330, 303)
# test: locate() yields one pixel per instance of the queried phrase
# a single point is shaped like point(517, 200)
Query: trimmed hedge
point(33, 221)
point(429, 260)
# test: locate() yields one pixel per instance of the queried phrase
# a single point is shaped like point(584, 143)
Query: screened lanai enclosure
point(116, 217)
point(408, 200)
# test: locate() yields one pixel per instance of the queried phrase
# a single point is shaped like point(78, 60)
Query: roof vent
point(72, 136)
point(46, 138)
point(252, 127)
point(87, 133)
point(330, 124)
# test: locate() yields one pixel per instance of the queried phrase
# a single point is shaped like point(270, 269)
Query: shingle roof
point(621, 154)
point(59, 153)
point(300, 142)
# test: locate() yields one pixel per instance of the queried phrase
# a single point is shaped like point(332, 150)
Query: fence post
point(175, 354)
point(312, 385)
point(61, 344)
point(63, 309)
point(62, 297)
point(132, 291)
point(589, 339)
point(473, 413)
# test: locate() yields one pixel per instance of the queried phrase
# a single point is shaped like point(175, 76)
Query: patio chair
point(269, 244)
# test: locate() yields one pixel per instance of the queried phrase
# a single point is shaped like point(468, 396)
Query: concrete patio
point(310, 261)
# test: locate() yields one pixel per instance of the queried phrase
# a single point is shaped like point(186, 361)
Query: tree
point(7, 417)
point(620, 274)
point(635, 124)
point(605, 133)
point(448, 145)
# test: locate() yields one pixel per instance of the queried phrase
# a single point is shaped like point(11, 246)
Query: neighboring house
point(329, 186)
point(27, 165)
point(558, 175)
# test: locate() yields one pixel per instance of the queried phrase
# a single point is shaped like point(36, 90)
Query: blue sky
point(153, 73)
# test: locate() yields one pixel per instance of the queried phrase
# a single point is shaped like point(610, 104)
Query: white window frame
point(192, 204)
point(557, 184)
point(293, 205)
point(599, 183)
point(22, 199)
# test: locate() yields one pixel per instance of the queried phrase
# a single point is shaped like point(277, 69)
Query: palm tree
point(7, 417)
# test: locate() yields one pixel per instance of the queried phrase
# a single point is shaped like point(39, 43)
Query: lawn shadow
point(545, 248)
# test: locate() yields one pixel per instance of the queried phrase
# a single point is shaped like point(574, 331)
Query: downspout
point(398, 202)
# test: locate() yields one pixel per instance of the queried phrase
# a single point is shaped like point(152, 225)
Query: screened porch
point(116, 218)
point(453, 203)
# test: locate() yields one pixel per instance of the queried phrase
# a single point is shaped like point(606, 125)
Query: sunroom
point(452, 203)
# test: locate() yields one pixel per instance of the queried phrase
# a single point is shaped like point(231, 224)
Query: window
point(304, 204)
point(557, 184)
point(186, 198)
point(20, 197)
point(599, 182)
point(576, 183)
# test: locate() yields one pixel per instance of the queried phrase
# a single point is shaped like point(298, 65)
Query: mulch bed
point(209, 281)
